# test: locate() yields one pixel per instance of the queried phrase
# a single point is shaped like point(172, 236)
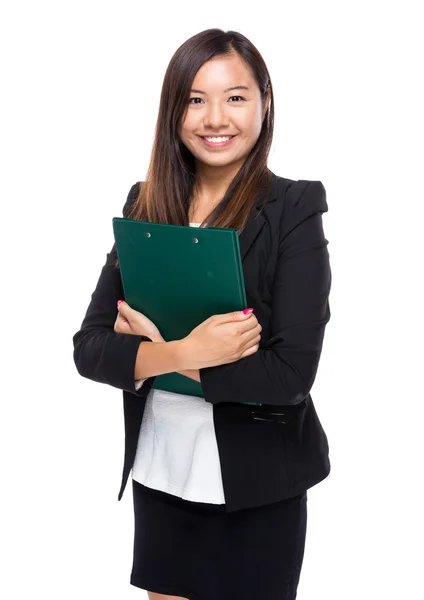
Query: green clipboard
point(178, 276)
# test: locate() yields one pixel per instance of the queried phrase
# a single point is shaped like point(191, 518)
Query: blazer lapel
point(256, 220)
point(251, 231)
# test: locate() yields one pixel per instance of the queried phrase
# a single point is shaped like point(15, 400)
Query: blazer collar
point(257, 220)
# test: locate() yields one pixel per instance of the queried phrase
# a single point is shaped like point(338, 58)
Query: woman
point(220, 487)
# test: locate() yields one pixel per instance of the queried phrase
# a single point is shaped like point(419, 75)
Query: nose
point(216, 116)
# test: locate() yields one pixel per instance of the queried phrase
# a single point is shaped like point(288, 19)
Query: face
point(215, 111)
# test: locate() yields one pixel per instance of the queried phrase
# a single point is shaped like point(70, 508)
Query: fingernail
point(119, 302)
point(247, 311)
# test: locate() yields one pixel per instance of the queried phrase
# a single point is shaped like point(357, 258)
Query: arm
point(158, 358)
point(283, 372)
point(100, 353)
point(192, 373)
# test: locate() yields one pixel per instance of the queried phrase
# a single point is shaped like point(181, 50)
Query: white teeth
point(218, 140)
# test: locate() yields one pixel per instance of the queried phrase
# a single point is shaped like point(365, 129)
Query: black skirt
point(200, 552)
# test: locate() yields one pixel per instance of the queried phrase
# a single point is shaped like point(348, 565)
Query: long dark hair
point(166, 194)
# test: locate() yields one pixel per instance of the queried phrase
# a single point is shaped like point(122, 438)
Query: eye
point(196, 98)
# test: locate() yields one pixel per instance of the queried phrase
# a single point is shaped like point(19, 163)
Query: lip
point(220, 145)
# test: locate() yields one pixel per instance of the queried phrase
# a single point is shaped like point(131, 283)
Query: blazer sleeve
point(100, 353)
point(284, 370)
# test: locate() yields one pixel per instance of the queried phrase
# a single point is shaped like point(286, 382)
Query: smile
point(218, 142)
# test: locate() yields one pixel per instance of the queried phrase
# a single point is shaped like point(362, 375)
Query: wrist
point(179, 358)
point(178, 351)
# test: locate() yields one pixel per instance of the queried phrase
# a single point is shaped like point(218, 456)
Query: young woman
point(220, 486)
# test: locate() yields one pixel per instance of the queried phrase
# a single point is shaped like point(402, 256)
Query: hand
point(222, 339)
point(131, 321)
point(134, 322)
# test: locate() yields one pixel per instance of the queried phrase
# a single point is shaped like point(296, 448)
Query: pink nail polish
point(119, 302)
point(247, 311)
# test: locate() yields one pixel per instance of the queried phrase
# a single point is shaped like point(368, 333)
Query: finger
point(122, 326)
point(124, 309)
point(250, 351)
point(249, 326)
point(254, 333)
point(235, 315)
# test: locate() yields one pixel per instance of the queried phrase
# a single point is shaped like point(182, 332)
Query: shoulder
point(299, 199)
point(298, 192)
point(131, 197)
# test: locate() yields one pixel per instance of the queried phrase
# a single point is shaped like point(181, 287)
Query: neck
point(212, 183)
point(209, 189)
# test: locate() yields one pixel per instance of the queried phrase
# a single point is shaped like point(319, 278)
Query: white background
point(81, 84)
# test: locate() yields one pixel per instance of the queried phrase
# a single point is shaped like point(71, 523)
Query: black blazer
point(269, 452)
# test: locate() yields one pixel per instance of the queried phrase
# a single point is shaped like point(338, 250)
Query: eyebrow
point(234, 87)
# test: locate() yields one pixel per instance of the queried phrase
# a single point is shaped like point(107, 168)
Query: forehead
point(223, 71)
